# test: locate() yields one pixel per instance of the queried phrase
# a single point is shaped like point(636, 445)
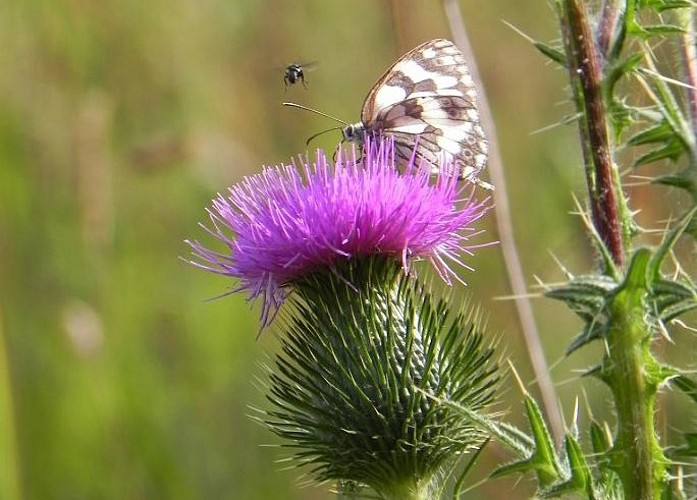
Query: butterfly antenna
point(307, 143)
point(293, 105)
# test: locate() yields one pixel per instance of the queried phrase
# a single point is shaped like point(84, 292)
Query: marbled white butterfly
point(426, 100)
point(428, 96)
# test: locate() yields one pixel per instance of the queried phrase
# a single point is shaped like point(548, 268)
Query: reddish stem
point(587, 66)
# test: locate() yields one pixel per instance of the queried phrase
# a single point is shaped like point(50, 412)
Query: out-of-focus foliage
point(119, 121)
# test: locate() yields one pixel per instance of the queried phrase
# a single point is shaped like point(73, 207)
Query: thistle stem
point(636, 455)
point(632, 456)
point(628, 367)
point(586, 72)
point(607, 27)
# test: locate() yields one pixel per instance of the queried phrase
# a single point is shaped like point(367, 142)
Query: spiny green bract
point(367, 361)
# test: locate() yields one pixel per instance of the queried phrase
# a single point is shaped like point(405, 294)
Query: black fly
point(294, 73)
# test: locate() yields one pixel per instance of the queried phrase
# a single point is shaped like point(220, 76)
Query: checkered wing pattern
point(428, 100)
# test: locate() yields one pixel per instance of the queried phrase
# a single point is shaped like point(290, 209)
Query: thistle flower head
point(286, 222)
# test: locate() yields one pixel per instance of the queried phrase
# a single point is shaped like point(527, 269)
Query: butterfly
point(427, 102)
point(295, 72)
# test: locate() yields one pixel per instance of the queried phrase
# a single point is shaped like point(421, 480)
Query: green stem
point(414, 490)
point(636, 455)
point(688, 51)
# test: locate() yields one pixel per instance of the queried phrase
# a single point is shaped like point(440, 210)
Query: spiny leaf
point(671, 151)
point(662, 132)
point(586, 296)
point(584, 288)
point(459, 484)
point(683, 180)
point(622, 117)
point(599, 438)
point(650, 4)
point(637, 277)
point(670, 299)
point(668, 244)
point(663, 5)
point(543, 460)
point(591, 332)
point(662, 30)
point(607, 482)
point(580, 479)
point(553, 53)
point(620, 69)
point(511, 436)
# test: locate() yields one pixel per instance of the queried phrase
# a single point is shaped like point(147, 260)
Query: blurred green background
point(119, 121)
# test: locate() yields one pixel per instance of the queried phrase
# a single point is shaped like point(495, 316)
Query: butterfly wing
point(427, 98)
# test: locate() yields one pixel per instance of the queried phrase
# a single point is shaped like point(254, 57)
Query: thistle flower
point(286, 222)
point(368, 354)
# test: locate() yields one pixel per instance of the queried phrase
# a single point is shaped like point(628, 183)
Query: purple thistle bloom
point(287, 222)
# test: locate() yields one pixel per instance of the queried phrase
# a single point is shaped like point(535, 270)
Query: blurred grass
point(119, 121)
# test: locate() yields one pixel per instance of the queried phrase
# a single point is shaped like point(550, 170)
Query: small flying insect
point(295, 72)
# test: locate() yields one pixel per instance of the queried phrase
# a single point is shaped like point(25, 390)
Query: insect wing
point(427, 98)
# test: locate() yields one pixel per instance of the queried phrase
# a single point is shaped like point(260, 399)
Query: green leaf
point(589, 289)
point(599, 438)
point(662, 30)
point(670, 151)
point(683, 180)
point(580, 480)
point(662, 132)
point(587, 296)
point(507, 434)
point(668, 244)
point(606, 482)
point(620, 69)
point(592, 331)
point(543, 460)
point(638, 277)
point(622, 117)
point(553, 53)
point(670, 298)
point(654, 4)
point(663, 5)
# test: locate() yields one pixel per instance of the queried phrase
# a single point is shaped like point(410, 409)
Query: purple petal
point(285, 222)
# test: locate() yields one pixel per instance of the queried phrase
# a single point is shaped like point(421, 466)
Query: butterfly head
point(354, 132)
